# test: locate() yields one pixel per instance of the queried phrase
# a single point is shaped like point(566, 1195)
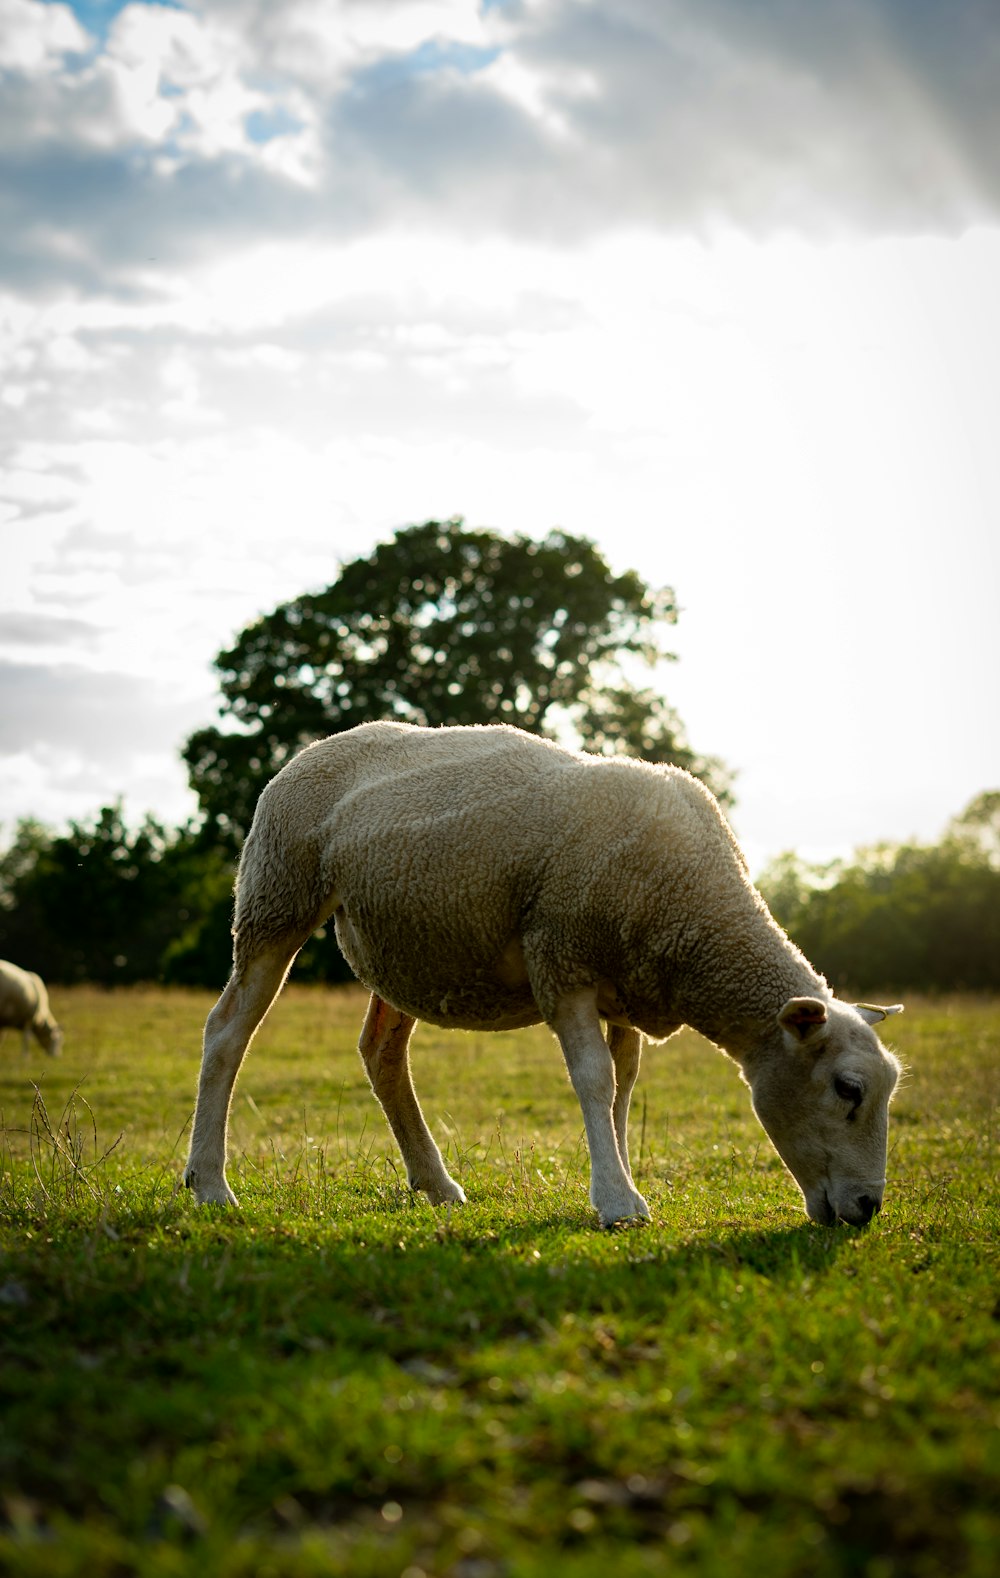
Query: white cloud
point(55, 785)
point(322, 42)
point(180, 76)
point(35, 37)
point(545, 94)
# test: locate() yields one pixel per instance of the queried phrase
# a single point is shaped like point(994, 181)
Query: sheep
point(24, 1006)
point(484, 878)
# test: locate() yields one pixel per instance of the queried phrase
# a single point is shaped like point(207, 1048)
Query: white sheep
point(24, 1006)
point(486, 879)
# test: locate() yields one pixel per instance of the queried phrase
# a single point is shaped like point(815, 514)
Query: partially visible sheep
point(24, 1006)
point(486, 879)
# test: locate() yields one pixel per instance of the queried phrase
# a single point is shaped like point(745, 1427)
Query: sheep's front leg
point(626, 1050)
point(591, 1069)
point(384, 1048)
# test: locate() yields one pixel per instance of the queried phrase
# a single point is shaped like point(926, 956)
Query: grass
point(336, 1379)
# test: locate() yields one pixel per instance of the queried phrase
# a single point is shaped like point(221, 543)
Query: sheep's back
point(441, 847)
point(19, 998)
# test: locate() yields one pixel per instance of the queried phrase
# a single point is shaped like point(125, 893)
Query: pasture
point(337, 1379)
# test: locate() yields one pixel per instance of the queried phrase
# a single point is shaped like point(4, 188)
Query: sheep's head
point(51, 1038)
point(821, 1087)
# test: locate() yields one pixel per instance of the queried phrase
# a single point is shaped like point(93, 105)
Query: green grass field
point(336, 1379)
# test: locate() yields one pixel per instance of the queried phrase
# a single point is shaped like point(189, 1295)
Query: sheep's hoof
point(218, 1193)
point(447, 1192)
point(627, 1213)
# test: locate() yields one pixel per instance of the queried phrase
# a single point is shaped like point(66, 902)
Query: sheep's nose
point(868, 1207)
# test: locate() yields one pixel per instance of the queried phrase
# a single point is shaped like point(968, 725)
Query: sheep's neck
point(732, 994)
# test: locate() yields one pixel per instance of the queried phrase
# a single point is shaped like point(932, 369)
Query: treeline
point(106, 903)
point(113, 905)
point(901, 917)
point(109, 904)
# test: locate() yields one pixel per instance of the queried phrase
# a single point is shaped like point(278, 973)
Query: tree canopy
point(443, 625)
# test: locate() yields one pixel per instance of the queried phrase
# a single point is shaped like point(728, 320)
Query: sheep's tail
point(279, 896)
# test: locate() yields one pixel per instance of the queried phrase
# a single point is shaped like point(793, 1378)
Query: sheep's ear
point(805, 1021)
point(873, 1014)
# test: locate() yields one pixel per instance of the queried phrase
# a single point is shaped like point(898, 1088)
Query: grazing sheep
point(486, 879)
point(24, 1006)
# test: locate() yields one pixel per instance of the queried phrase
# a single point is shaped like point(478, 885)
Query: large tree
point(444, 625)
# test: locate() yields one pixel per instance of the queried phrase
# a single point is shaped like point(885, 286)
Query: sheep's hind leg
point(228, 1032)
point(591, 1068)
point(626, 1050)
point(384, 1048)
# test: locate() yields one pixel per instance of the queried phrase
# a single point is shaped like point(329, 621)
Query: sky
point(714, 283)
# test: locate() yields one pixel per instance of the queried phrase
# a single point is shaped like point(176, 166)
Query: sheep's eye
point(849, 1090)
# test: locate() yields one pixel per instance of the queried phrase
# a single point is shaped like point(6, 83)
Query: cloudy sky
point(715, 283)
